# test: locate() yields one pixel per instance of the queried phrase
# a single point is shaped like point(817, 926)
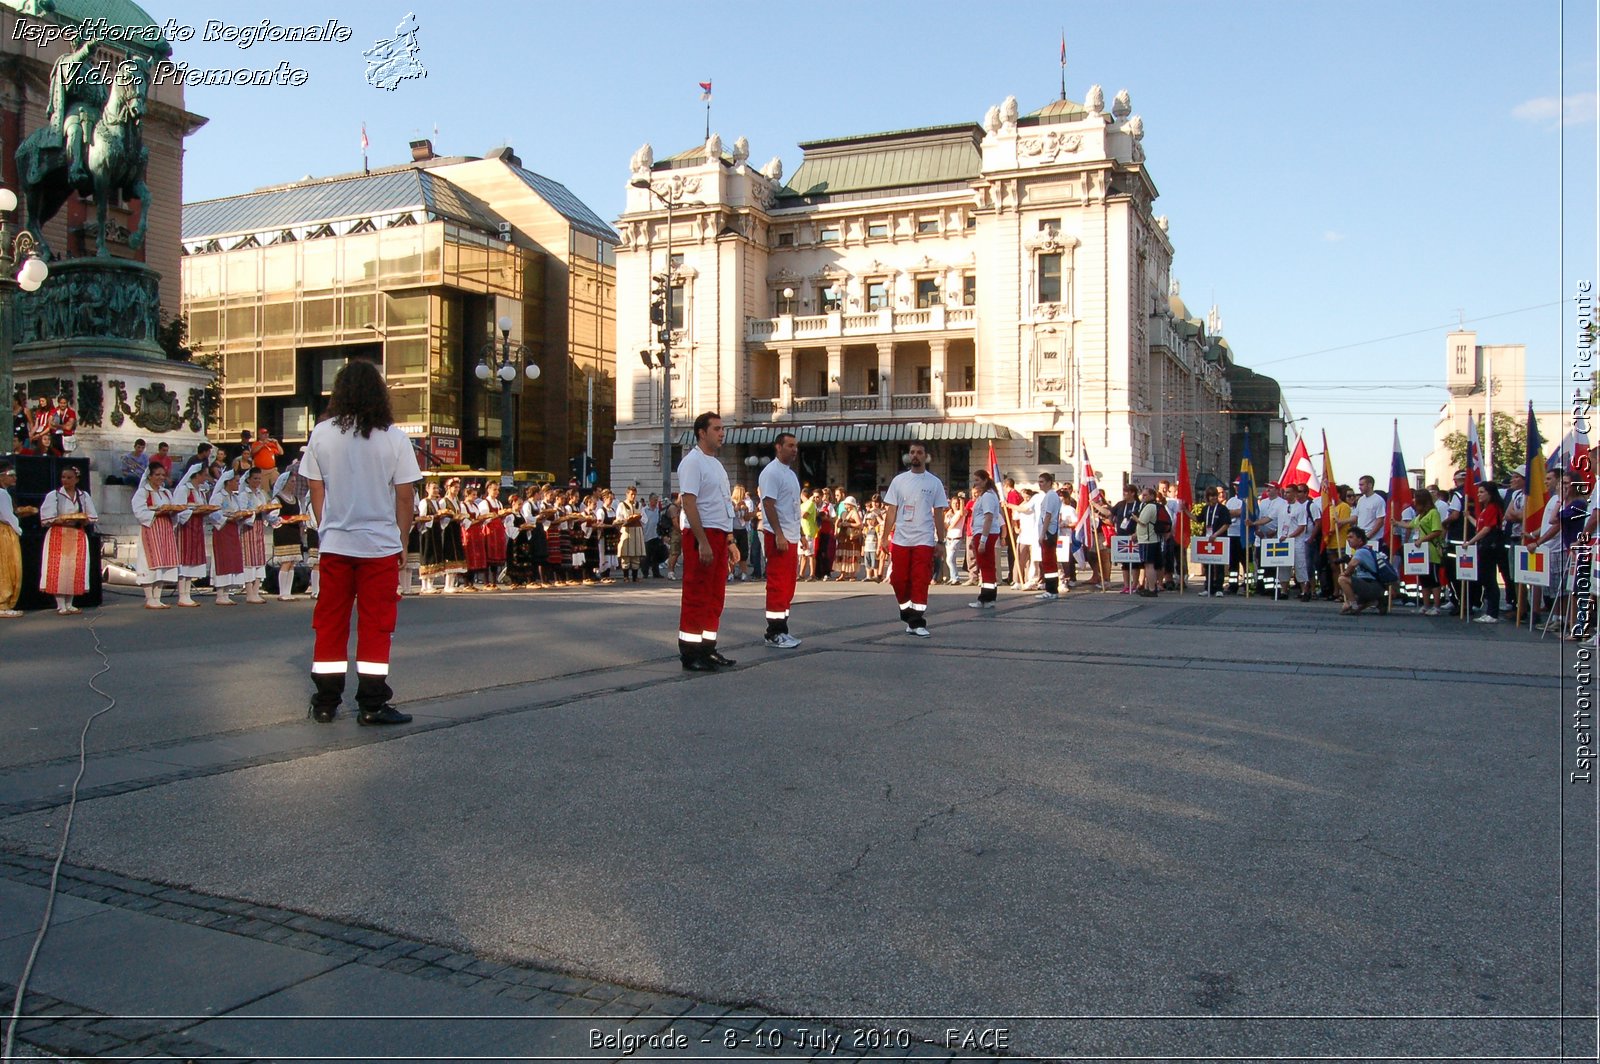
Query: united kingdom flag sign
point(1211, 551)
point(1276, 554)
point(1531, 568)
point(1124, 551)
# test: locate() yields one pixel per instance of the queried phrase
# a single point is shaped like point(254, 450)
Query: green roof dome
point(127, 25)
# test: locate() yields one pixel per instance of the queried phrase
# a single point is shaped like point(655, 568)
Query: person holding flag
point(1535, 496)
point(1181, 530)
point(1049, 521)
point(986, 522)
point(1245, 492)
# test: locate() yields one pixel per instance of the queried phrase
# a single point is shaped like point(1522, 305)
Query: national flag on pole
point(1537, 492)
point(705, 91)
point(1329, 523)
point(1474, 466)
point(1063, 47)
point(1299, 470)
point(1084, 533)
point(1245, 488)
point(1180, 527)
point(1399, 496)
point(364, 144)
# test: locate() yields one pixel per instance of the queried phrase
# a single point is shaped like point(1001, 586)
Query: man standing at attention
point(913, 524)
point(780, 510)
point(707, 505)
point(361, 469)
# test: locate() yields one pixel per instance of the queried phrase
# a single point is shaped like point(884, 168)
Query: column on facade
point(938, 367)
point(835, 376)
point(885, 374)
point(786, 377)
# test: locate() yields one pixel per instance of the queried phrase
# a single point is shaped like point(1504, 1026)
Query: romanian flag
point(1180, 527)
point(705, 91)
point(1331, 499)
point(1538, 494)
point(1530, 563)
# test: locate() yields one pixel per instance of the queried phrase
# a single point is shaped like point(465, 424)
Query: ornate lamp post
point(501, 358)
point(20, 267)
point(671, 198)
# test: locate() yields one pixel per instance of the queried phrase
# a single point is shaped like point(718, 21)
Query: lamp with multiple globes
point(501, 359)
point(20, 267)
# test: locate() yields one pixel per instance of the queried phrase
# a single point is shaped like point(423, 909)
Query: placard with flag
point(1531, 567)
point(1467, 562)
point(1276, 554)
point(1418, 560)
point(1124, 551)
point(1212, 551)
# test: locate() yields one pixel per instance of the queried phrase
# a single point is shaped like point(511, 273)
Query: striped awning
point(859, 432)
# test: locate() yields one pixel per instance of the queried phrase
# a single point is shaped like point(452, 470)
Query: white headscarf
point(220, 489)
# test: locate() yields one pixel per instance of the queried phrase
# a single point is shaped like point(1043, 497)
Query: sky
point(1345, 181)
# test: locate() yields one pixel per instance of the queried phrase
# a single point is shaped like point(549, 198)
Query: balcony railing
point(855, 407)
point(858, 402)
point(914, 401)
point(810, 404)
point(761, 407)
point(959, 400)
point(869, 323)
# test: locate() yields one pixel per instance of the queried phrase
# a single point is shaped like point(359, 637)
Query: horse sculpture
point(117, 159)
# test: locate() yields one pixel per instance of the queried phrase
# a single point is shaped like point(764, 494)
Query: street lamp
point(671, 198)
point(500, 358)
point(15, 247)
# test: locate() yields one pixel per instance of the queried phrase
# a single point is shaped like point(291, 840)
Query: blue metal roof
point(357, 196)
point(567, 205)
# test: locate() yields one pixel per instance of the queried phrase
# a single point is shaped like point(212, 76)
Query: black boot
point(716, 659)
point(693, 657)
point(372, 698)
point(325, 701)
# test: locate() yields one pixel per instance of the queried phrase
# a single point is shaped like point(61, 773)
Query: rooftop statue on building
point(92, 145)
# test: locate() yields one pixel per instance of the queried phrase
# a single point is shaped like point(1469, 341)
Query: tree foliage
point(1510, 445)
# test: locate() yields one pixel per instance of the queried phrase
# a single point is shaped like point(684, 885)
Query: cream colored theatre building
point(1003, 283)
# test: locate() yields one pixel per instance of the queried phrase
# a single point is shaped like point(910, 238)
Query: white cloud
point(1332, 236)
point(1551, 111)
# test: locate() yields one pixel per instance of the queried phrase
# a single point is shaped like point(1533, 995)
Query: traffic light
point(658, 301)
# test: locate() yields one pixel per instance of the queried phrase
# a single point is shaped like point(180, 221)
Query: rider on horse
point(78, 93)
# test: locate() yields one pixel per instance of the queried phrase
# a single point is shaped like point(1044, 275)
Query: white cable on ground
point(61, 853)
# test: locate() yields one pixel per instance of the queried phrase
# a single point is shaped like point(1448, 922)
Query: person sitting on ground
point(133, 465)
point(1358, 580)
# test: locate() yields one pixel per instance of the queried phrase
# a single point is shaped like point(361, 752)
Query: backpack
point(664, 525)
point(1163, 521)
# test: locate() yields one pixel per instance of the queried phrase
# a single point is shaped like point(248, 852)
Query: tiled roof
point(400, 189)
point(569, 206)
point(933, 156)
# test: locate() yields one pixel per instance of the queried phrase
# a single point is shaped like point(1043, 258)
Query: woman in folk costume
point(156, 559)
point(286, 546)
point(253, 534)
point(66, 514)
point(193, 490)
point(473, 527)
point(411, 570)
point(520, 558)
point(227, 551)
point(536, 511)
point(430, 540)
point(494, 531)
point(10, 546)
point(630, 547)
point(559, 538)
point(449, 521)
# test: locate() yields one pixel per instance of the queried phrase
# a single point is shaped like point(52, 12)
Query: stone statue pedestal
point(90, 332)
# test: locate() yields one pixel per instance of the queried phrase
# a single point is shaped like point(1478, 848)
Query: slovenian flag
point(1399, 496)
point(705, 91)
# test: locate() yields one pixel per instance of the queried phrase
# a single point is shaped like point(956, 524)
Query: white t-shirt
point(1552, 518)
point(1370, 512)
point(359, 475)
point(1276, 511)
point(1297, 523)
point(1049, 509)
point(988, 503)
point(781, 487)
point(915, 496)
point(1236, 513)
point(702, 476)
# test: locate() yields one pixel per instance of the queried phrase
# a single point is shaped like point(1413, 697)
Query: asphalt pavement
point(1099, 827)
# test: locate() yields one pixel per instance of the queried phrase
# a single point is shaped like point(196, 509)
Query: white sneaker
point(1486, 619)
point(782, 641)
point(1045, 596)
point(1431, 611)
point(920, 633)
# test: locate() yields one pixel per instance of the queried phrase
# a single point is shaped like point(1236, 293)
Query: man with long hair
point(361, 469)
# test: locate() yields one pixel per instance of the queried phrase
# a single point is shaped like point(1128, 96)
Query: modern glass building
point(411, 267)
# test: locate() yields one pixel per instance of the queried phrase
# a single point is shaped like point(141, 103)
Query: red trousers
point(910, 573)
point(983, 550)
point(704, 587)
point(371, 585)
point(782, 570)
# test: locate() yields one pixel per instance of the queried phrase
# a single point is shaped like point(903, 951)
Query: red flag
point(1180, 527)
point(1399, 496)
point(1299, 470)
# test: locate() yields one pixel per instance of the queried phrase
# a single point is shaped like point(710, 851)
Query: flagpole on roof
point(1063, 62)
